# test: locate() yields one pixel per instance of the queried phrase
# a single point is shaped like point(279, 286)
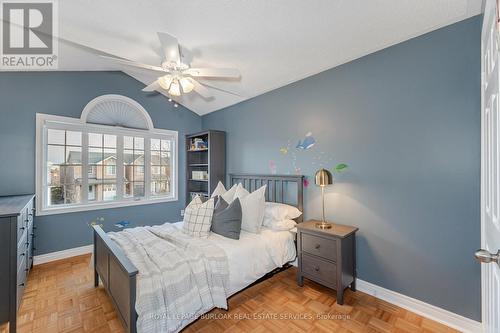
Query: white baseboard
point(77, 251)
point(432, 312)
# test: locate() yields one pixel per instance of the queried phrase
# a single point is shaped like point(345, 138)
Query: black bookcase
point(205, 162)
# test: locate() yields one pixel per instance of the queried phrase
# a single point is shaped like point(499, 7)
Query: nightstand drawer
point(319, 246)
point(320, 269)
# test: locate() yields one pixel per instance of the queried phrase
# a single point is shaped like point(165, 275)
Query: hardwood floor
point(60, 297)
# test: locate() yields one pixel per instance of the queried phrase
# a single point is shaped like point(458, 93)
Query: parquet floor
point(60, 297)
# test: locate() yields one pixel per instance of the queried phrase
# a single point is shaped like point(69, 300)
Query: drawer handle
point(22, 254)
point(22, 228)
point(316, 268)
point(21, 285)
point(317, 247)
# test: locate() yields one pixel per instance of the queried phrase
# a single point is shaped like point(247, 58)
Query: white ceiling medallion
point(116, 110)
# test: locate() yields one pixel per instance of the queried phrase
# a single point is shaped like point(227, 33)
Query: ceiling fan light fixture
point(165, 81)
point(175, 89)
point(186, 84)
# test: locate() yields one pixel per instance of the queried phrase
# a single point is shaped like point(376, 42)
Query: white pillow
point(279, 211)
point(198, 217)
point(229, 195)
point(283, 225)
point(219, 190)
point(252, 208)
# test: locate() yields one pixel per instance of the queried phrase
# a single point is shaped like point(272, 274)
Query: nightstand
point(327, 256)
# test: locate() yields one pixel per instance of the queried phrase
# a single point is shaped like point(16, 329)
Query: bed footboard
point(118, 275)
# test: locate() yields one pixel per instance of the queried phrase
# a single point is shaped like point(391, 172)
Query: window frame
point(44, 121)
point(110, 167)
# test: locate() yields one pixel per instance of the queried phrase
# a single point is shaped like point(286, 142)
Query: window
point(160, 167)
point(111, 170)
point(64, 167)
point(84, 166)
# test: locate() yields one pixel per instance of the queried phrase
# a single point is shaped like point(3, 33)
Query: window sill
point(99, 206)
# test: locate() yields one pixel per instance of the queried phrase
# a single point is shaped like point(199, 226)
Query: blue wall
point(22, 95)
point(407, 121)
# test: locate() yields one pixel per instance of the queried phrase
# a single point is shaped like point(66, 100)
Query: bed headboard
point(288, 189)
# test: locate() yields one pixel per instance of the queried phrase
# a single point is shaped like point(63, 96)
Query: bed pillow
point(252, 208)
point(229, 195)
point(219, 190)
point(283, 225)
point(226, 220)
point(198, 217)
point(279, 212)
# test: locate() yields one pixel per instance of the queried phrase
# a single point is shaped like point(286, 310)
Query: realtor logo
point(28, 30)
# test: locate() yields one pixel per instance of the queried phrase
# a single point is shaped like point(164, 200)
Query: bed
point(119, 276)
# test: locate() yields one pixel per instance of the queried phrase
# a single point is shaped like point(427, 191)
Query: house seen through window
point(83, 165)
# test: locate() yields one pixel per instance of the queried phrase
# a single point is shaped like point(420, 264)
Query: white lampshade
point(165, 81)
point(175, 89)
point(186, 84)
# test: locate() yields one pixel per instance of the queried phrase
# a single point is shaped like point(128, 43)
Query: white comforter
point(253, 255)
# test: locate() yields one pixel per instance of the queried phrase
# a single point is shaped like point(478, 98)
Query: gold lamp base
point(323, 225)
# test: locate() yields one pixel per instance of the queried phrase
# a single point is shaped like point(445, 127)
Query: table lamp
point(323, 178)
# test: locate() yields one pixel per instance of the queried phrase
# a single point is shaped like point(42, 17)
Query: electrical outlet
point(182, 212)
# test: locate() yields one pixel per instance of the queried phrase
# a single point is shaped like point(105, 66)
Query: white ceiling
point(272, 43)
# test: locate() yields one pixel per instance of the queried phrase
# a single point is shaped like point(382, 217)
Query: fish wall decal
point(307, 143)
point(122, 224)
point(272, 167)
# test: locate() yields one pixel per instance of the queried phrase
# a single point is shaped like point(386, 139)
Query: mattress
point(254, 255)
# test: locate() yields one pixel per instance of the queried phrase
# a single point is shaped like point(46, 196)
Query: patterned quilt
point(180, 277)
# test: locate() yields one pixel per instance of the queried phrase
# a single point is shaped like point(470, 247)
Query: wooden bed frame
point(118, 274)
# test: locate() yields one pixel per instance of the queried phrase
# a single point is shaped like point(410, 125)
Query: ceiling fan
point(178, 78)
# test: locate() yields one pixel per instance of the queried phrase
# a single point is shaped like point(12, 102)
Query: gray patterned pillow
point(226, 220)
point(198, 217)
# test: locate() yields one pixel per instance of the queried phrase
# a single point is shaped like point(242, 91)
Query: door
point(490, 175)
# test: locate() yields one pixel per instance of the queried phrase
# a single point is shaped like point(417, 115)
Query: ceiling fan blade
point(220, 89)
point(229, 73)
point(135, 64)
point(152, 87)
point(80, 46)
point(214, 72)
point(170, 48)
point(200, 89)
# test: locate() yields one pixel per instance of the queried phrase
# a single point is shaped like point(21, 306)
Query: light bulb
point(165, 81)
point(186, 84)
point(176, 105)
point(175, 89)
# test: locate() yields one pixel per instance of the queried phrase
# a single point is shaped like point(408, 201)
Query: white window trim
point(81, 125)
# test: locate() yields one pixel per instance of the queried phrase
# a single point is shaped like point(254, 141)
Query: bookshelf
point(205, 162)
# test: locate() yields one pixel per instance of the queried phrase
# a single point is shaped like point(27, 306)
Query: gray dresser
point(327, 256)
point(16, 253)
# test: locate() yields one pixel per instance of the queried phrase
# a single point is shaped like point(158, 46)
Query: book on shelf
point(199, 175)
point(201, 194)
